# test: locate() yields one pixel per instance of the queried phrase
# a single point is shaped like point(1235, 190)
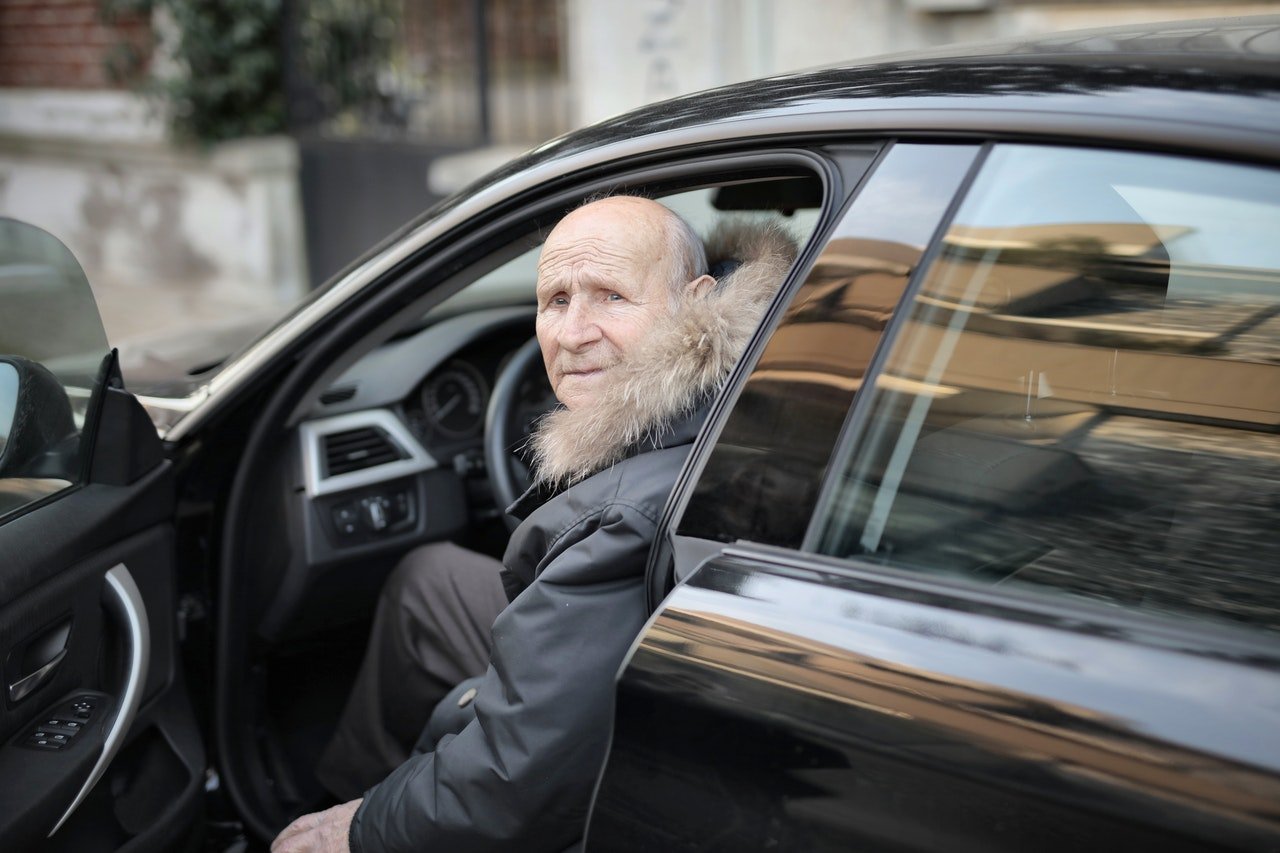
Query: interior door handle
point(22, 688)
point(124, 600)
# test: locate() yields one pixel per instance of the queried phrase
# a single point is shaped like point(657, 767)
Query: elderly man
point(636, 337)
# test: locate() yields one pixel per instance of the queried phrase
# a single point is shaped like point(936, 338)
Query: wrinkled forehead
point(613, 237)
point(591, 256)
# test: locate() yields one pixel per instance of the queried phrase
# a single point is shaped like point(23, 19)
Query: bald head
point(669, 243)
point(605, 280)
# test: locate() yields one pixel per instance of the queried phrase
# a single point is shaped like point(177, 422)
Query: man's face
point(603, 285)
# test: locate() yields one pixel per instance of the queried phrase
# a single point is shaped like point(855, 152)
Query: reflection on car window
point(1085, 396)
point(51, 350)
point(760, 483)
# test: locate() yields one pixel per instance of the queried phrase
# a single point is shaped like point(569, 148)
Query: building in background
point(387, 105)
point(623, 54)
point(380, 91)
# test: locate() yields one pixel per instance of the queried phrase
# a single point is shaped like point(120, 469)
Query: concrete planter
point(166, 234)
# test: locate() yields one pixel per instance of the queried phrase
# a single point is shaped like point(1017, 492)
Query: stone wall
point(164, 234)
point(168, 236)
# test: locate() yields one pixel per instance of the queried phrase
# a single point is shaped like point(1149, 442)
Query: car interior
point(410, 433)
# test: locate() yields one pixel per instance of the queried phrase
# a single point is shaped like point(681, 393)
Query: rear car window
point(1084, 397)
point(761, 480)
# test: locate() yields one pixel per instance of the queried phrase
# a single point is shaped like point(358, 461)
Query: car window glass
point(52, 345)
point(761, 480)
point(1085, 396)
point(510, 282)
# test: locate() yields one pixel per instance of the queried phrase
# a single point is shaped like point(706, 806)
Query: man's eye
point(614, 297)
point(559, 300)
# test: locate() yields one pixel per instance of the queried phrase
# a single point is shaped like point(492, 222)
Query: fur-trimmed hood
point(677, 369)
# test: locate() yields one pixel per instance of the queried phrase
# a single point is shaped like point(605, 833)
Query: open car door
point(99, 749)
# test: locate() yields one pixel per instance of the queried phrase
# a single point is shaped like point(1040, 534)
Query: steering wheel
point(521, 394)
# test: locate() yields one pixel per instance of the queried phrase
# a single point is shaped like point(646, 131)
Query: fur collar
point(678, 369)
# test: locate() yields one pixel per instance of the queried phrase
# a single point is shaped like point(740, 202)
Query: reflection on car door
point(100, 748)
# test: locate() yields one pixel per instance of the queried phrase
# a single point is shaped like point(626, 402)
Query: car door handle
point(124, 600)
point(22, 688)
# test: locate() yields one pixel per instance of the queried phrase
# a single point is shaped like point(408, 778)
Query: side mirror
point(35, 419)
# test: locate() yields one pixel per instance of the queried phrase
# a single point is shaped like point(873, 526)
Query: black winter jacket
point(518, 777)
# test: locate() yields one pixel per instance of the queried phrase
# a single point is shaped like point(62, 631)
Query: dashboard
point(392, 455)
point(427, 392)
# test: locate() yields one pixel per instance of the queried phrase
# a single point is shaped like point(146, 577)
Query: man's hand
point(322, 832)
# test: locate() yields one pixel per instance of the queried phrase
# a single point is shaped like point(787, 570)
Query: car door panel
point(909, 717)
point(99, 749)
point(63, 557)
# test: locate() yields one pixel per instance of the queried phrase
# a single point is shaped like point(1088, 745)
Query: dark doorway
point(378, 89)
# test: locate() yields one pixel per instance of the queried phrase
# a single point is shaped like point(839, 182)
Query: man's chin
point(577, 390)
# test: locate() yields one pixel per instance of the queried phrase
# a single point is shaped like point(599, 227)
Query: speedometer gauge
point(453, 401)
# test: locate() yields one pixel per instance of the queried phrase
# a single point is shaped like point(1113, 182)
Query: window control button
point(59, 725)
point(54, 737)
point(39, 742)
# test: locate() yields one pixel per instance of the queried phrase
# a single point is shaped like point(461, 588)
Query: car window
point(1085, 395)
point(511, 283)
point(52, 345)
point(761, 480)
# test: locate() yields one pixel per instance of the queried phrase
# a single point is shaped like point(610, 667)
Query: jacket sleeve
point(520, 776)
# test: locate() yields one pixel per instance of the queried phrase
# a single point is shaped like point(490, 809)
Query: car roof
point(1204, 86)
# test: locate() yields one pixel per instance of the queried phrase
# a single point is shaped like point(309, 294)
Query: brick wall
point(63, 44)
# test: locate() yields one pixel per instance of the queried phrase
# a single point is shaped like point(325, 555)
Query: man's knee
point(425, 570)
point(441, 572)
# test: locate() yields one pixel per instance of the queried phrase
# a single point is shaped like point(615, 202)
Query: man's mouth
point(582, 371)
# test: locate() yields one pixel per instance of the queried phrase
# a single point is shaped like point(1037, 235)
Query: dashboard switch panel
point(366, 516)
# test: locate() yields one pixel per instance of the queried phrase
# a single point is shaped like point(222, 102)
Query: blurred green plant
point(231, 59)
point(347, 48)
point(230, 53)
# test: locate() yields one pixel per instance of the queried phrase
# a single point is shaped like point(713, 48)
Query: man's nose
point(581, 327)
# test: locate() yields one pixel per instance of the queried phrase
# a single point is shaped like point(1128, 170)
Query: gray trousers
point(431, 630)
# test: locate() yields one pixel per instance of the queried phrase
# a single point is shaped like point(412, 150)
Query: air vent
point(339, 394)
point(356, 449)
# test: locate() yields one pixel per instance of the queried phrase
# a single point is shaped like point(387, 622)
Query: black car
point(978, 549)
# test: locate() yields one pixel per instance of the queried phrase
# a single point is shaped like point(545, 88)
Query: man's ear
point(701, 286)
